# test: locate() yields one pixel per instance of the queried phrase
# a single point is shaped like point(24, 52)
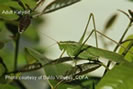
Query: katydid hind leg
point(83, 36)
point(94, 27)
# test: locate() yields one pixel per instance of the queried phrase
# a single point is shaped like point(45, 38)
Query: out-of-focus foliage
point(110, 22)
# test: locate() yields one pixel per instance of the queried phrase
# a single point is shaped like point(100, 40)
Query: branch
point(16, 51)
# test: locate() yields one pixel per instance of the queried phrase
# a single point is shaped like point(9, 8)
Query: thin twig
point(124, 13)
point(38, 4)
point(16, 51)
point(129, 25)
point(85, 30)
point(128, 40)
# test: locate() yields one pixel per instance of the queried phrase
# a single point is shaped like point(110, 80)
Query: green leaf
point(120, 77)
point(88, 51)
point(7, 86)
point(7, 13)
point(58, 4)
point(110, 22)
point(128, 56)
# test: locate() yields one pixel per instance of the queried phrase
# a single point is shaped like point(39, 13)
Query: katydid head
point(68, 46)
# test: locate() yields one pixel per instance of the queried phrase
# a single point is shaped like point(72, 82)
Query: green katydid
point(83, 51)
point(89, 52)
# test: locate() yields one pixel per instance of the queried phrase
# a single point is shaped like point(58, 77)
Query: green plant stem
point(16, 60)
point(4, 65)
point(117, 46)
point(126, 41)
point(16, 51)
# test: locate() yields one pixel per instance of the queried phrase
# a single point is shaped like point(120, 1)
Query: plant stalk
point(17, 41)
point(117, 46)
point(16, 51)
